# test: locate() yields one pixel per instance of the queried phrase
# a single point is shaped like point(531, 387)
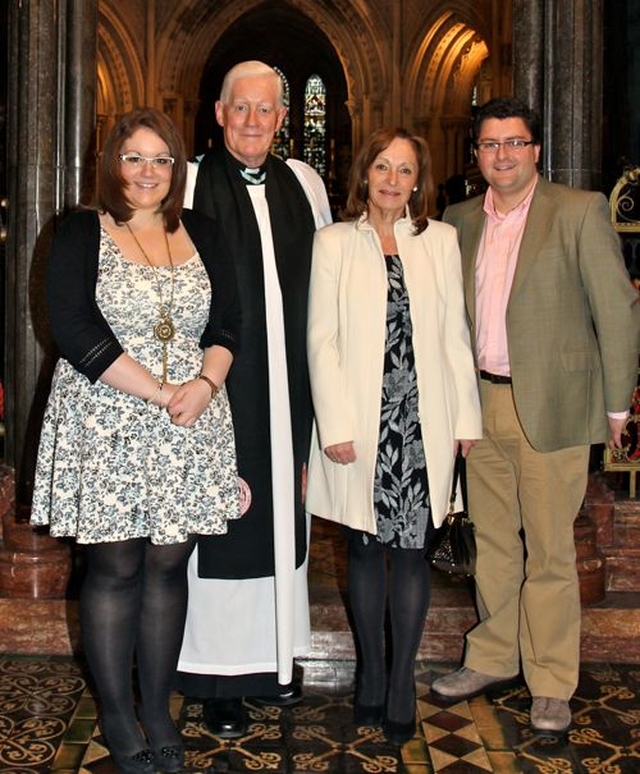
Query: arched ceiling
point(348, 42)
point(120, 70)
point(444, 67)
point(415, 63)
point(195, 29)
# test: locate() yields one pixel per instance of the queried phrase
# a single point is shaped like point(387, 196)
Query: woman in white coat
point(395, 395)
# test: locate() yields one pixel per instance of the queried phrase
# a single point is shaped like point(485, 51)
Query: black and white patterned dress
point(401, 490)
point(112, 467)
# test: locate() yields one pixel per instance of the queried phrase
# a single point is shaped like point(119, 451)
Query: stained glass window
point(315, 129)
point(282, 141)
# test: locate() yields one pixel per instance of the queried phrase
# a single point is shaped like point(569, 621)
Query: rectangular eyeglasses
point(136, 160)
point(492, 147)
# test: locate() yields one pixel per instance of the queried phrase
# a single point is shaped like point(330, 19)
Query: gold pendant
point(164, 330)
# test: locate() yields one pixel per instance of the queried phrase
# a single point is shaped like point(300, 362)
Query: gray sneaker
point(466, 683)
point(550, 716)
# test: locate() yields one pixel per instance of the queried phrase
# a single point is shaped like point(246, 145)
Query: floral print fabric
point(401, 490)
point(113, 467)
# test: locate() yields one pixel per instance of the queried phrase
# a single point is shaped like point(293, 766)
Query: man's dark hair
point(506, 107)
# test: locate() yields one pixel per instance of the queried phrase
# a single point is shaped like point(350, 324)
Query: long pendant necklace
point(164, 330)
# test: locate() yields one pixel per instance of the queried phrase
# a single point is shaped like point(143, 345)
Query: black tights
point(134, 600)
point(408, 595)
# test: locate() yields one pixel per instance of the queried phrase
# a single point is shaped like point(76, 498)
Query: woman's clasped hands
point(185, 402)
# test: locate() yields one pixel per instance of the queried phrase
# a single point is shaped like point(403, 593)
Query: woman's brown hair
point(112, 187)
point(373, 147)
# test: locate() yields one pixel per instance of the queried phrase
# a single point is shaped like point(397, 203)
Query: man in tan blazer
point(556, 329)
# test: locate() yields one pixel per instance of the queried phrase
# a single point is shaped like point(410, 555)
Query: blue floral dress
point(401, 489)
point(113, 467)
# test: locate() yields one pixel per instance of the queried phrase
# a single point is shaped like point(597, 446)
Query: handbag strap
point(459, 471)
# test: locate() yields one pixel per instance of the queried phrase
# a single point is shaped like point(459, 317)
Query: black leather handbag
point(453, 545)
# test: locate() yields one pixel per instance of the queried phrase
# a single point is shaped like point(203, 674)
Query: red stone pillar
point(33, 565)
point(593, 529)
point(590, 562)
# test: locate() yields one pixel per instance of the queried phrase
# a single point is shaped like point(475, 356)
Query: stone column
point(558, 46)
point(33, 195)
point(51, 114)
point(573, 97)
point(80, 101)
point(558, 70)
point(528, 51)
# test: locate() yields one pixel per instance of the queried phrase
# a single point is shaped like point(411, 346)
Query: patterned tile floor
point(48, 724)
point(48, 720)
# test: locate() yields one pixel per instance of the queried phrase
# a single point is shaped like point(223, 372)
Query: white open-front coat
point(346, 341)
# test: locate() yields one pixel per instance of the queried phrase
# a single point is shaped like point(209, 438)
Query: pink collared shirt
point(495, 266)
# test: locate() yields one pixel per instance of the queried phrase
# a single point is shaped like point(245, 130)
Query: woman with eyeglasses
point(137, 454)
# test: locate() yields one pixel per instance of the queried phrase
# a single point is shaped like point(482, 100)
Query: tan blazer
point(573, 318)
point(346, 341)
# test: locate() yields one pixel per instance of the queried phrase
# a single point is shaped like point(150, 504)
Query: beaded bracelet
point(212, 384)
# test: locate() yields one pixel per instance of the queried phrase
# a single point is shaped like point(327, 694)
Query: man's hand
point(616, 428)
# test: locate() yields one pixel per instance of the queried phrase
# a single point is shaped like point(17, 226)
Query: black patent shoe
point(288, 696)
point(140, 763)
point(169, 758)
point(225, 718)
point(398, 733)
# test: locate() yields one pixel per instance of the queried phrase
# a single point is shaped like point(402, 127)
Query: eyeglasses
point(136, 160)
point(492, 147)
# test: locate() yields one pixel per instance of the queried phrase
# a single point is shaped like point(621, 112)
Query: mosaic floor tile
point(315, 736)
point(48, 725)
point(37, 700)
point(48, 721)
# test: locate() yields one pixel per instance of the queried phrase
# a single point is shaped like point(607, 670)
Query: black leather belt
point(495, 378)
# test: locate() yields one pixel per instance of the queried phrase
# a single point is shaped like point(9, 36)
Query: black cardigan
point(80, 330)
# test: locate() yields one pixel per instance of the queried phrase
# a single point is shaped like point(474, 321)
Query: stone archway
point(120, 67)
point(394, 65)
point(448, 60)
point(192, 33)
point(338, 44)
point(309, 52)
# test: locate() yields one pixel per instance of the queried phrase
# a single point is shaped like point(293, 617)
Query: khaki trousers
point(523, 504)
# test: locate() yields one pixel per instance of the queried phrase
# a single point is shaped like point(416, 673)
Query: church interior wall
point(385, 62)
point(420, 64)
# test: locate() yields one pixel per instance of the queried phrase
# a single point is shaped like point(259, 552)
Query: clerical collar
point(253, 176)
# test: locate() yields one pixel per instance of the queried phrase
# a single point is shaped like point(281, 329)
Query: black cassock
point(247, 551)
